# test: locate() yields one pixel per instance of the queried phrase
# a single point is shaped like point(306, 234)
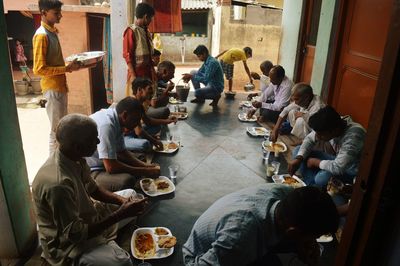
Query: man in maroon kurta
point(138, 47)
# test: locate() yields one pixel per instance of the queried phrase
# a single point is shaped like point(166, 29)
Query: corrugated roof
point(196, 4)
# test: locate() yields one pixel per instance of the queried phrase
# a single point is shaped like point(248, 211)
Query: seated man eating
point(252, 225)
point(275, 97)
point(347, 141)
point(304, 105)
point(142, 89)
point(158, 103)
point(210, 74)
point(121, 166)
point(74, 229)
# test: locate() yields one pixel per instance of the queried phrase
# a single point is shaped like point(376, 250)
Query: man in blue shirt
point(252, 225)
point(121, 167)
point(210, 74)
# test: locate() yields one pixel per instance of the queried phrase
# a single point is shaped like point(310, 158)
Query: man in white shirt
point(304, 104)
point(276, 96)
point(265, 68)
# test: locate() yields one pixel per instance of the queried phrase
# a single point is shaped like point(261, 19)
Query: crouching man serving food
point(250, 226)
point(74, 229)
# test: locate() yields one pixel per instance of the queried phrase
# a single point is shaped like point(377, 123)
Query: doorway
point(99, 96)
point(308, 40)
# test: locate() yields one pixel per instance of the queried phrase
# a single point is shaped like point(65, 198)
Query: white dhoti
point(109, 253)
point(299, 126)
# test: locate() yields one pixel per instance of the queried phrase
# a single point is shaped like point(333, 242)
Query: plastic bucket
point(182, 92)
point(36, 88)
point(21, 87)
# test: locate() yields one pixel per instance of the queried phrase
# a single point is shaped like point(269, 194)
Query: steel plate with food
point(156, 187)
point(87, 58)
point(168, 147)
point(172, 100)
point(152, 243)
point(258, 131)
point(293, 181)
point(179, 115)
point(243, 117)
point(274, 146)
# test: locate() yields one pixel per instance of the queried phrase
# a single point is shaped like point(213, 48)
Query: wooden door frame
point(378, 158)
point(301, 40)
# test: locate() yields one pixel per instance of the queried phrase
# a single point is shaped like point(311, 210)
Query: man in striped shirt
point(48, 63)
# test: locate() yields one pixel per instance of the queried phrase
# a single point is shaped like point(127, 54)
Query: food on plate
point(170, 146)
point(291, 181)
point(161, 231)
point(259, 130)
point(148, 185)
point(144, 245)
point(166, 242)
point(275, 147)
point(161, 185)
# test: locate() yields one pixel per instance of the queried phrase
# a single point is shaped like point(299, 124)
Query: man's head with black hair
point(248, 51)
point(50, 11)
point(144, 14)
point(156, 57)
point(277, 74)
point(46, 5)
point(202, 52)
point(130, 111)
point(166, 70)
point(266, 67)
point(142, 88)
point(327, 123)
point(143, 9)
point(307, 212)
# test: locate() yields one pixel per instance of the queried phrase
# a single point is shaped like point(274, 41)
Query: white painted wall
point(291, 19)
point(216, 30)
point(119, 21)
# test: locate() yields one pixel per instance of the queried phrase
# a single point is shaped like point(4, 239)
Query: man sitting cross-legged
point(160, 98)
point(142, 89)
point(275, 97)
point(304, 105)
point(346, 139)
point(210, 74)
point(74, 229)
point(111, 155)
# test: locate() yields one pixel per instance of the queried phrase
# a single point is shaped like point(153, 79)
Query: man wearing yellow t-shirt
point(228, 57)
point(48, 63)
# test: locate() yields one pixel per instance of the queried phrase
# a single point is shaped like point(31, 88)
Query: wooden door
point(361, 45)
point(308, 40)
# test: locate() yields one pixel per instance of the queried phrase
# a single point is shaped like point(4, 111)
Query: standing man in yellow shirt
point(48, 63)
point(228, 57)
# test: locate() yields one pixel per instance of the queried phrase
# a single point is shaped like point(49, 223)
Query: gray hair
point(302, 89)
point(74, 128)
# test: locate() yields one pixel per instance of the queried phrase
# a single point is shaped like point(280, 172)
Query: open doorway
point(308, 40)
point(98, 90)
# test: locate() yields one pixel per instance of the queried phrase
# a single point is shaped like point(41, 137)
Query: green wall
point(291, 19)
point(323, 44)
point(17, 222)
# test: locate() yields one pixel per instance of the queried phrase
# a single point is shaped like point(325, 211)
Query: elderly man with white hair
point(304, 104)
point(73, 228)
